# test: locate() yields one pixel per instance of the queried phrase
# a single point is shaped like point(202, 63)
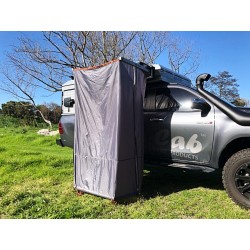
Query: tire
point(236, 178)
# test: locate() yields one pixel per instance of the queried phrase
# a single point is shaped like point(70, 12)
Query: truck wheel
point(236, 178)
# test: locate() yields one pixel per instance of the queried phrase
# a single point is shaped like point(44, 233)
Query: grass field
point(36, 181)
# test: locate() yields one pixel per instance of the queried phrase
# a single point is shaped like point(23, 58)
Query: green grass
point(36, 181)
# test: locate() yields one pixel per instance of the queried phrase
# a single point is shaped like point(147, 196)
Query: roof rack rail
point(166, 75)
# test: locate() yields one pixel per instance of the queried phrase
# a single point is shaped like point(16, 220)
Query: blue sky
point(218, 51)
point(7, 40)
point(223, 51)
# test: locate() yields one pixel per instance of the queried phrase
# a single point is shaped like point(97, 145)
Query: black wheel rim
point(242, 180)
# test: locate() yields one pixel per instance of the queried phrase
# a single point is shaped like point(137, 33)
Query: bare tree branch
point(46, 62)
point(182, 57)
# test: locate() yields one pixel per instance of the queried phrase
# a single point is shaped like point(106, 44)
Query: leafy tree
point(240, 102)
point(51, 111)
point(224, 86)
point(29, 115)
point(21, 110)
point(55, 112)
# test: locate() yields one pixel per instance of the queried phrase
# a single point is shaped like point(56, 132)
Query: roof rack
point(155, 73)
point(166, 75)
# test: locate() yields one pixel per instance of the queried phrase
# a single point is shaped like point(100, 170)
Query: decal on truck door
point(180, 147)
point(193, 144)
point(175, 131)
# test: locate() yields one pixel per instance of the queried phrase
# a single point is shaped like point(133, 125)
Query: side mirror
point(68, 102)
point(202, 105)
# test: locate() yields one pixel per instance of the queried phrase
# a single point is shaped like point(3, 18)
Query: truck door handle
point(157, 119)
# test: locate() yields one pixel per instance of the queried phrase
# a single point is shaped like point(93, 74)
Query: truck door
point(174, 131)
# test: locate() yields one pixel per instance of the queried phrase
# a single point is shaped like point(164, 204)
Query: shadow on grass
point(164, 181)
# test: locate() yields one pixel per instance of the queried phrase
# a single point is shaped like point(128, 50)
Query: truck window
point(183, 97)
point(168, 99)
point(159, 100)
point(164, 101)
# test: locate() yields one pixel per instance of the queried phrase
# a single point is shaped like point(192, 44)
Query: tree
point(26, 112)
point(46, 63)
point(51, 111)
point(224, 86)
point(182, 57)
point(34, 64)
point(22, 110)
point(148, 46)
point(50, 63)
point(247, 101)
point(20, 85)
point(239, 102)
